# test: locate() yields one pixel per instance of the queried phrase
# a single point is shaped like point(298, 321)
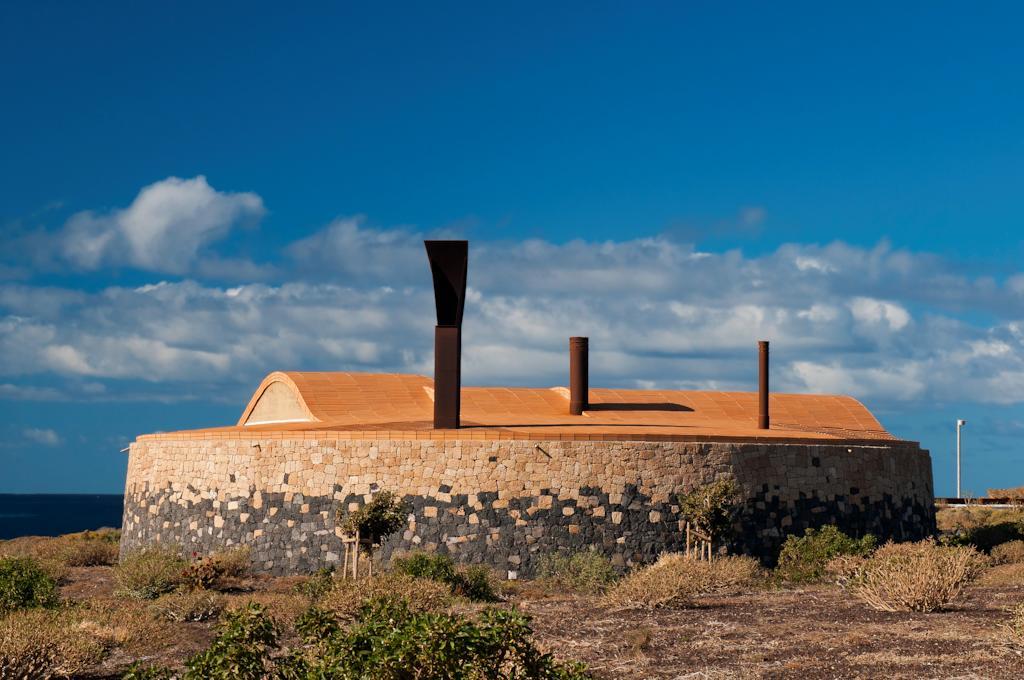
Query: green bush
point(473, 582)
point(241, 649)
point(804, 558)
point(24, 584)
point(388, 642)
point(426, 565)
point(318, 584)
point(476, 582)
point(382, 516)
point(712, 508)
point(140, 671)
point(150, 572)
point(584, 572)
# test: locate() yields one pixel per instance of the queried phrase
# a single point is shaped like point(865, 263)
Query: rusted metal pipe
point(763, 420)
point(449, 261)
point(579, 379)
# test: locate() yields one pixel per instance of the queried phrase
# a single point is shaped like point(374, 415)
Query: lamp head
point(961, 423)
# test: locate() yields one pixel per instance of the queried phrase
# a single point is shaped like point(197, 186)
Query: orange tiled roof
point(368, 405)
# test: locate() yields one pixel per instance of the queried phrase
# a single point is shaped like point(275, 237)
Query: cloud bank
point(878, 323)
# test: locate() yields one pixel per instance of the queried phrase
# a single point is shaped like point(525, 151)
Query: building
point(502, 475)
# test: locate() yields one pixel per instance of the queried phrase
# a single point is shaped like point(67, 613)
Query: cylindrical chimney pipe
point(579, 379)
point(762, 388)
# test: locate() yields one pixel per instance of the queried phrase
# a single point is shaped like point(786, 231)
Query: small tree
point(372, 523)
point(710, 511)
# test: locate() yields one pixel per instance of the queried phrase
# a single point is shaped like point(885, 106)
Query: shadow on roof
point(637, 406)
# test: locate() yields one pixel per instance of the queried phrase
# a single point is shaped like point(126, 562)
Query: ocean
point(55, 514)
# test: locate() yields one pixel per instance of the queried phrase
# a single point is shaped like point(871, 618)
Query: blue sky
point(198, 193)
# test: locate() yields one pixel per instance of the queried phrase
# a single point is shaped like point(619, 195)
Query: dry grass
point(1011, 552)
point(919, 576)
point(234, 562)
point(43, 644)
point(1013, 630)
point(1004, 575)
point(189, 605)
point(56, 554)
point(284, 606)
point(674, 580)
point(149, 573)
point(976, 516)
point(347, 597)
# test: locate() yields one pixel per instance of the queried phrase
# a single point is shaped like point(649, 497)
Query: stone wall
point(505, 503)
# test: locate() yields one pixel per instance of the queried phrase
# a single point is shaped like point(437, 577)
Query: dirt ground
point(808, 633)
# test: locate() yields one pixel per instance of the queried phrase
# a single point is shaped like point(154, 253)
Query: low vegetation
point(147, 574)
point(347, 598)
point(981, 527)
point(43, 643)
point(711, 510)
point(189, 605)
point(803, 559)
point(1013, 630)
point(25, 584)
point(675, 580)
point(1011, 552)
point(587, 572)
point(921, 576)
point(423, 615)
point(474, 582)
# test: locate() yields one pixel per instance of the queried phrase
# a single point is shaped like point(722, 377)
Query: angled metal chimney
point(449, 261)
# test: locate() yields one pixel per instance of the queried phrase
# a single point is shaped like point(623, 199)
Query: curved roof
point(402, 406)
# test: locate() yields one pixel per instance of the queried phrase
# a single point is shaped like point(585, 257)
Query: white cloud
point(874, 312)
point(658, 312)
point(43, 436)
point(163, 230)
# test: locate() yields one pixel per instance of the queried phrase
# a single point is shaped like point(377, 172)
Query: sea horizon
point(54, 514)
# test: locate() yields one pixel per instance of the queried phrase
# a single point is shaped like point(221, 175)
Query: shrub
point(980, 526)
point(139, 671)
point(348, 598)
point(188, 605)
point(235, 562)
point(426, 565)
point(391, 642)
point(316, 623)
point(1013, 629)
point(241, 649)
point(91, 548)
point(46, 644)
point(318, 584)
point(1011, 552)
point(473, 582)
point(674, 580)
point(201, 574)
point(476, 582)
point(150, 572)
point(586, 572)
point(804, 558)
point(24, 584)
point(712, 508)
point(921, 576)
point(382, 516)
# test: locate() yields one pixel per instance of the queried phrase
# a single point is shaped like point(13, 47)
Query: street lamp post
point(959, 424)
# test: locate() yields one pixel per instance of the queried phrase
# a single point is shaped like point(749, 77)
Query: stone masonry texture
point(507, 503)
